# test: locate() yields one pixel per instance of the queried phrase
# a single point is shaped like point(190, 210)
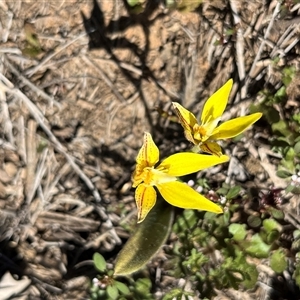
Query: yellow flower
point(164, 178)
point(204, 133)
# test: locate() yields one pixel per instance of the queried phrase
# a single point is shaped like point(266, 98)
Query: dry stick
point(105, 78)
point(291, 45)
point(21, 143)
point(189, 95)
point(6, 145)
point(116, 110)
point(36, 113)
point(288, 48)
point(257, 57)
point(31, 161)
point(8, 127)
point(34, 88)
point(39, 117)
point(279, 42)
point(239, 48)
point(33, 70)
point(53, 182)
point(287, 35)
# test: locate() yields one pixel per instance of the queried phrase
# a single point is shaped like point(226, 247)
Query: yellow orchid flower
point(204, 133)
point(164, 178)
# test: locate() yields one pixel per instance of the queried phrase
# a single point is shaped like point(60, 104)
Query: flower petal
point(149, 153)
point(212, 148)
point(145, 197)
point(234, 127)
point(184, 163)
point(186, 119)
point(181, 195)
point(216, 104)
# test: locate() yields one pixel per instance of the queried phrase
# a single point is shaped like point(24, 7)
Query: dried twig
point(34, 88)
point(33, 70)
point(257, 57)
point(41, 120)
point(239, 48)
point(39, 117)
point(105, 78)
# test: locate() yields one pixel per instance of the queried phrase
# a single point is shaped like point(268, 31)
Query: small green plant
point(200, 237)
point(285, 131)
point(106, 286)
point(213, 252)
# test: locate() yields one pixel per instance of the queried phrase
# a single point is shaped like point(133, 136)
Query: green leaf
point(296, 275)
point(143, 285)
point(233, 192)
point(112, 292)
point(238, 231)
point(283, 173)
point(297, 148)
point(276, 213)
point(254, 221)
point(133, 2)
point(271, 114)
point(247, 270)
point(257, 247)
point(296, 234)
point(173, 294)
point(32, 45)
point(272, 236)
point(183, 5)
point(226, 218)
point(290, 154)
point(146, 240)
point(289, 188)
point(271, 224)
point(222, 191)
point(278, 261)
point(280, 94)
point(122, 287)
point(288, 164)
point(99, 262)
point(281, 127)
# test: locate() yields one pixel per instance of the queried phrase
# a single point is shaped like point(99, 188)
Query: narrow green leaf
point(283, 173)
point(233, 192)
point(290, 188)
point(99, 262)
point(146, 240)
point(276, 213)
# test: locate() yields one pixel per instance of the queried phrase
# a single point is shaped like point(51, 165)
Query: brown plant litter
point(73, 113)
